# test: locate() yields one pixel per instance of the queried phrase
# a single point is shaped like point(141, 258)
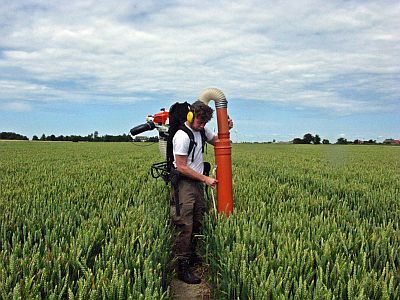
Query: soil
point(184, 291)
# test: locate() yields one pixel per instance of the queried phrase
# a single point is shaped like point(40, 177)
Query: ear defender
point(190, 117)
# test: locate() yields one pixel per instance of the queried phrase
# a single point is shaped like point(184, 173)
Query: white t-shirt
point(181, 143)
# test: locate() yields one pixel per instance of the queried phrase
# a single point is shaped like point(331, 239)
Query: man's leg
point(198, 217)
point(184, 229)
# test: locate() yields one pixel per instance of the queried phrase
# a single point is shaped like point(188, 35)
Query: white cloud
point(16, 106)
point(300, 53)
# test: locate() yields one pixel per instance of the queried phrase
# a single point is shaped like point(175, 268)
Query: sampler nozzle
point(142, 128)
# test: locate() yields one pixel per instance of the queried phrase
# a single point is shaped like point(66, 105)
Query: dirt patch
point(184, 291)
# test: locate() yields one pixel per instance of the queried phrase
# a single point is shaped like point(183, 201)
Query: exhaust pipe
point(222, 149)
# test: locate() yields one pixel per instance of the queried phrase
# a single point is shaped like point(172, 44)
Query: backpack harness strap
point(192, 142)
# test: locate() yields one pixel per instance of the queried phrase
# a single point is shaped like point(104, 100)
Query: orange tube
point(222, 149)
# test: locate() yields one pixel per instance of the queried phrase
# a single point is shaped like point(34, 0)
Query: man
point(191, 194)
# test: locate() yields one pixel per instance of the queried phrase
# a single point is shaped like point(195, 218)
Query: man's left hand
point(230, 123)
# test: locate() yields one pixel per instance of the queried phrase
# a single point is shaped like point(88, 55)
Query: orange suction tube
point(222, 149)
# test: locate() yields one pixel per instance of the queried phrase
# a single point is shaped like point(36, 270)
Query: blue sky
point(287, 68)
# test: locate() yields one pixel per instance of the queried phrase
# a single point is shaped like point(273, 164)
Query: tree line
point(308, 138)
point(12, 136)
point(94, 137)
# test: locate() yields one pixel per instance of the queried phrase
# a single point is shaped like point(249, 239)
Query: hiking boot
point(185, 274)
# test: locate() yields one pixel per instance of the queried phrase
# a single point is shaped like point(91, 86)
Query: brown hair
point(202, 111)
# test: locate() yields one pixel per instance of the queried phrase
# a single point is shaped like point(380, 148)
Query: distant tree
point(325, 141)
point(43, 137)
point(308, 138)
point(317, 140)
point(96, 136)
point(12, 136)
point(153, 139)
point(357, 142)
point(371, 141)
point(298, 141)
point(128, 138)
point(35, 138)
point(341, 141)
point(108, 138)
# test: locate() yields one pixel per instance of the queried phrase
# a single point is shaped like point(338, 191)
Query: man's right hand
point(181, 166)
point(211, 182)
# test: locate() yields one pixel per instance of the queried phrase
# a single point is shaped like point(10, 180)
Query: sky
point(287, 68)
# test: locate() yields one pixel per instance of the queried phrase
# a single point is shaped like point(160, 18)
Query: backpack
point(177, 118)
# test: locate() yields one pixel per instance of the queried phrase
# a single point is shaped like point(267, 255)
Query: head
point(202, 113)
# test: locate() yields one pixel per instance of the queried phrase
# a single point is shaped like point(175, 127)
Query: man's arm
point(212, 141)
point(182, 167)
